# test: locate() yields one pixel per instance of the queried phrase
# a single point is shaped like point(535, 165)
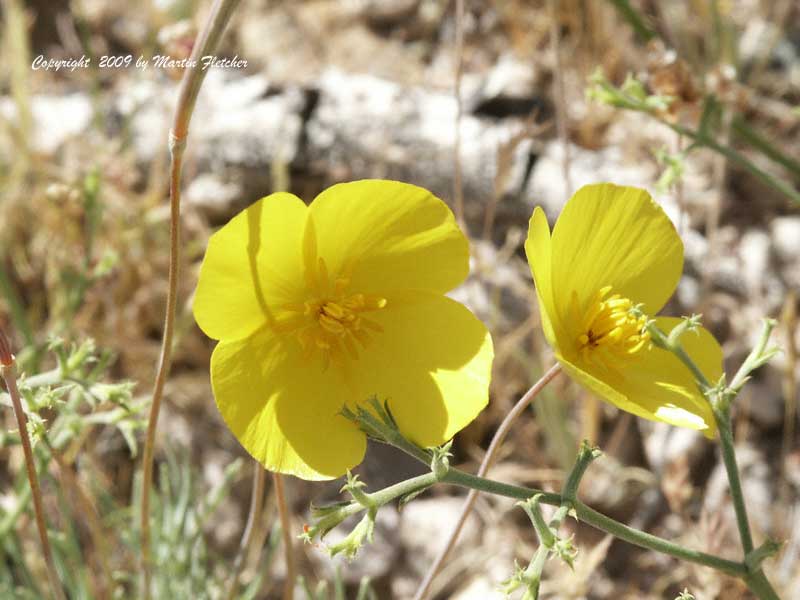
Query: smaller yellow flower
point(319, 307)
point(612, 250)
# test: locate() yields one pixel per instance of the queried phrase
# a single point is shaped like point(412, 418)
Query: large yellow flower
point(319, 307)
point(612, 249)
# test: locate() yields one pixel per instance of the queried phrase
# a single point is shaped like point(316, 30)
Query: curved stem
point(8, 372)
point(286, 532)
point(256, 503)
point(488, 458)
point(176, 150)
point(205, 44)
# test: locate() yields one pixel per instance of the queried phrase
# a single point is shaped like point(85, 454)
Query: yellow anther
point(331, 325)
point(333, 310)
point(331, 321)
point(609, 329)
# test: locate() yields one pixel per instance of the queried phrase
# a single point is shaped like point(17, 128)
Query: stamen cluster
point(611, 329)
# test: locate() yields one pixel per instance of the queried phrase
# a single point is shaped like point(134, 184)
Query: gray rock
point(762, 398)
point(365, 126)
point(238, 121)
point(383, 13)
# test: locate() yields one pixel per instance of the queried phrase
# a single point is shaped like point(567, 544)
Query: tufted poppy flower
point(318, 307)
point(611, 263)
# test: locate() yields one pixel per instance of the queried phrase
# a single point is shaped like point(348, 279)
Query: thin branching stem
point(256, 504)
point(8, 371)
point(488, 459)
point(583, 513)
point(285, 518)
point(193, 78)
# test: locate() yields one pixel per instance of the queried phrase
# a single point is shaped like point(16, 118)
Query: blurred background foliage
point(697, 100)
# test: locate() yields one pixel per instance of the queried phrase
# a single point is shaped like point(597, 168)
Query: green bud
point(440, 459)
point(361, 533)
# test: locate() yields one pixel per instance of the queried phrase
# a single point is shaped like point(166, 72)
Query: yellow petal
point(656, 385)
point(283, 413)
point(537, 249)
point(389, 235)
point(251, 267)
point(617, 236)
point(432, 361)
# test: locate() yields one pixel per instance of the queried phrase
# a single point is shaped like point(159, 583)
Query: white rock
point(695, 251)
point(665, 444)
point(479, 588)
point(212, 196)
point(510, 77)
point(426, 523)
point(368, 126)
point(754, 254)
point(55, 118)
point(236, 121)
point(547, 187)
point(786, 237)
point(688, 293)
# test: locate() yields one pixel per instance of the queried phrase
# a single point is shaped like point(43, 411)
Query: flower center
point(610, 330)
point(333, 321)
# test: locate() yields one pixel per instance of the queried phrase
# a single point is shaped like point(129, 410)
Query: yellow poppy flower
point(319, 307)
point(613, 249)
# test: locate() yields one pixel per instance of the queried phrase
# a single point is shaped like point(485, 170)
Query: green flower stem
point(673, 344)
point(583, 512)
point(760, 355)
point(722, 415)
point(720, 398)
point(548, 540)
point(586, 455)
point(598, 520)
point(542, 528)
point(205, 43)
point(651, 542)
